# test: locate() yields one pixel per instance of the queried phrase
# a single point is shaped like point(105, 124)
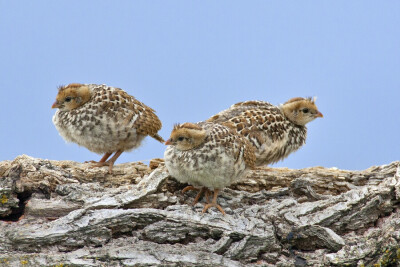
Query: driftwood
point(64, 213)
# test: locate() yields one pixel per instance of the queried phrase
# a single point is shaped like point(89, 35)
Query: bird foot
point(189, 187)
point(212, 204)
point(110, 165)
point(105, 162)
point(90, 161)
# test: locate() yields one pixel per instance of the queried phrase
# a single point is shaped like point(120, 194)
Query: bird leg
point(109, 162)
point(207, 195)
point(103, 159)
point(113, 159)
point(214, 203)
point(198, 196)
point(189, 187)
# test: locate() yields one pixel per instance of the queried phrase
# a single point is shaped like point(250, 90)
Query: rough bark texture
point(63, 213)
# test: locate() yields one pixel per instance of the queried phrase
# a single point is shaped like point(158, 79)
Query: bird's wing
point(239, 109)
point(133, 113)
point(251, 117)
point(236, 144)
point(147, 122)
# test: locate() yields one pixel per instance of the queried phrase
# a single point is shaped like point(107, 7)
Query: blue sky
point(191, 59)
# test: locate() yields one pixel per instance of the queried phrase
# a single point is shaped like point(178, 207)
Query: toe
point(207, 206)
point(189, 187)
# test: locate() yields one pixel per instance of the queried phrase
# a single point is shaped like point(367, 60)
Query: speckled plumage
point(103, 119)
point(208, 155)
point(275, 131)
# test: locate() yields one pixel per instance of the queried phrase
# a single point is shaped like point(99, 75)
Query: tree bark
point(64, 213)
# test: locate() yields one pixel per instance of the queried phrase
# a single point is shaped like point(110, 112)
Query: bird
point(104, 119)
point(274, 131)
point(207, 155)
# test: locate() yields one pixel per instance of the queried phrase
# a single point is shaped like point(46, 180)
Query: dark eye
point(68, 99)
point(306, 110)
point(180, 138)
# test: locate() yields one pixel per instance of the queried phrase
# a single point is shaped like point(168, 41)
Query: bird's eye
point(306, 110)
point(68, 99)
point(180, 138)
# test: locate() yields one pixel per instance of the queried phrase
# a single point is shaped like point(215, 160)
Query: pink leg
point(198, 196)
point(110, 162)
point(103, 159)
point(214, 203)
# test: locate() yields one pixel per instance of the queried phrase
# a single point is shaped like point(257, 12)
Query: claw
point(103, 162)
point(213, 203)
point(209, 205)
point(189, 187)
point(90, 161)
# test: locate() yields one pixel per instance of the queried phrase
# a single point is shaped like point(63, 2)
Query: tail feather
point(158, 138)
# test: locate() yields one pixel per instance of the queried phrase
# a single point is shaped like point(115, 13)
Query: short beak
point(169, 142)
point(319, 114)
point(55, 105)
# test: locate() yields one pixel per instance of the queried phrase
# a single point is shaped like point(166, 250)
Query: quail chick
point(103, 119)
point(275, 131)
point(207, 155)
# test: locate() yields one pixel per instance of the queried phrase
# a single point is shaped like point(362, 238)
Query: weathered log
point(63, 213)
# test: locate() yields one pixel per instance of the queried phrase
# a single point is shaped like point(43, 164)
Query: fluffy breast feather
point(221, 160)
